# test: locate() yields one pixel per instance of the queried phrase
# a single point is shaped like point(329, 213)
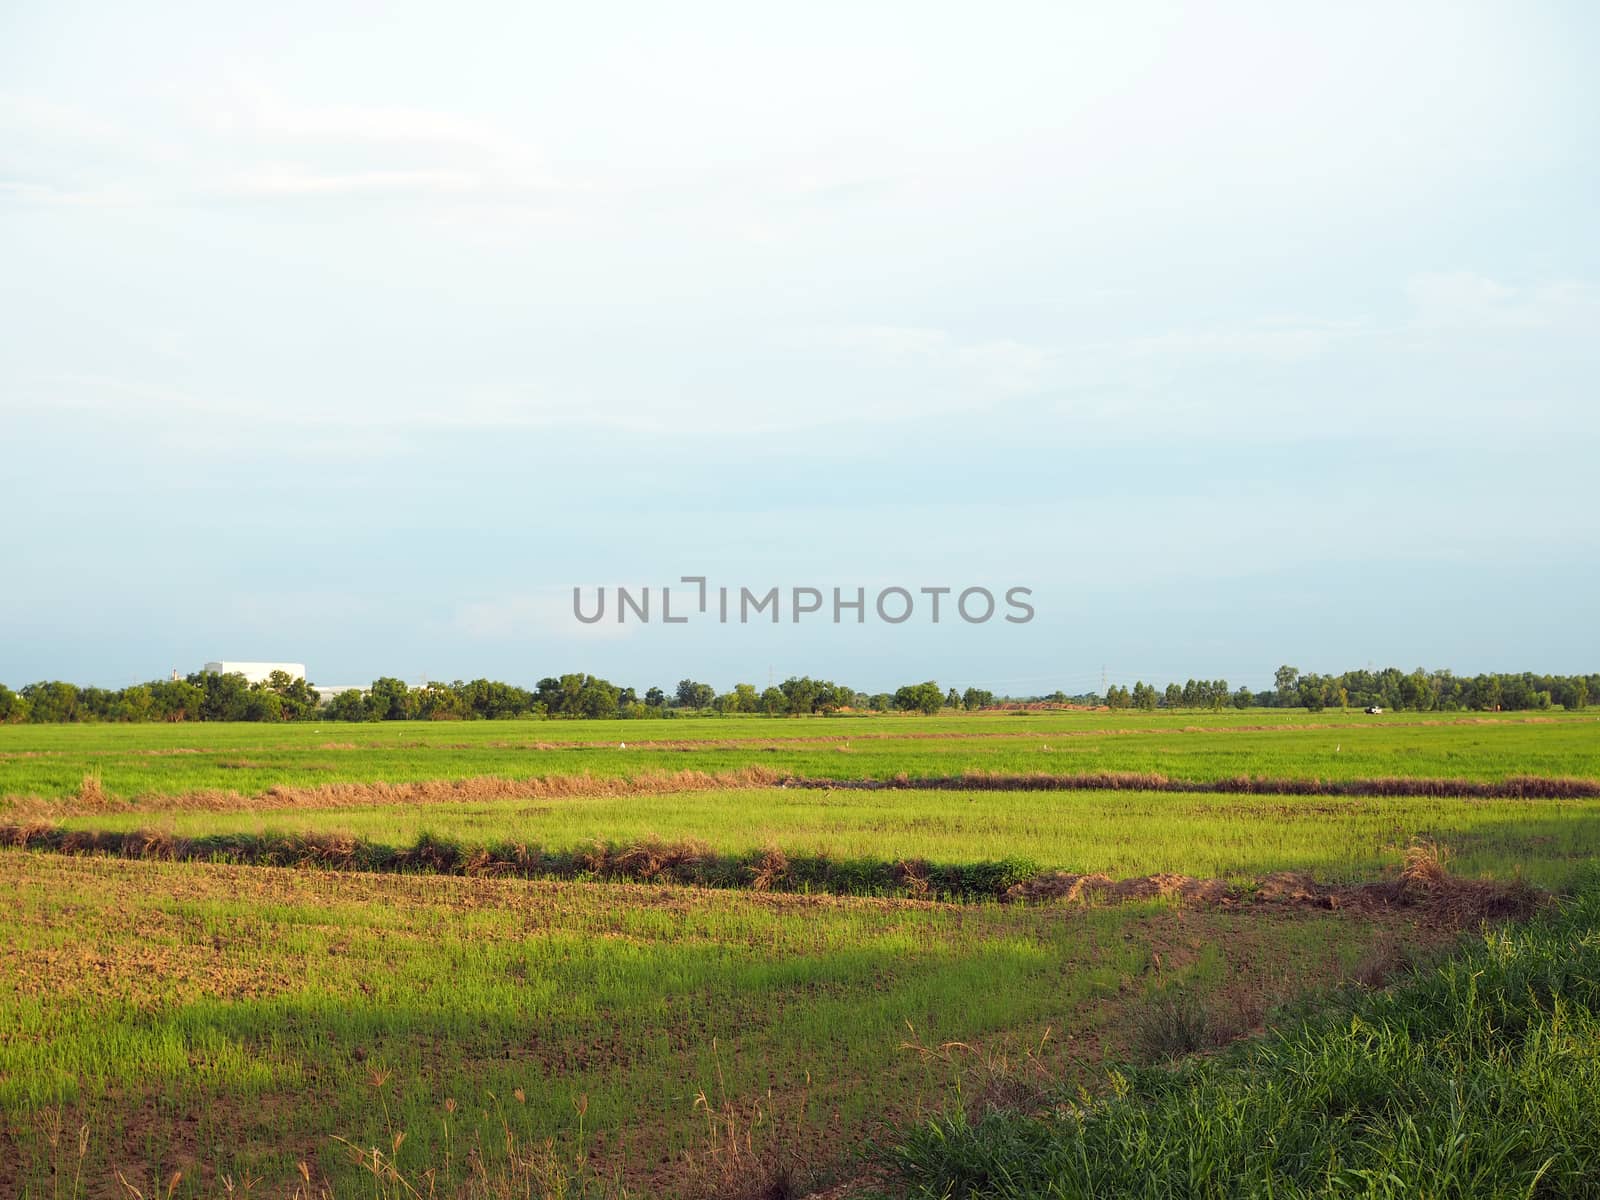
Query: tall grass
point(1474, 1078)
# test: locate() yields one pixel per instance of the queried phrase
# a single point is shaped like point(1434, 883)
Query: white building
point(257, 672)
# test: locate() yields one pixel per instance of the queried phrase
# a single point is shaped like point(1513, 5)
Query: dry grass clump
point(991, 1075)
point(335, 851)
point(152, 843)
point(1068, 888)
point(655, 859)
point(769, 870)
point(912, 875)
point(1382, 966)
point(1424, 882)
point(1177, 1023)
point(748, 1149)
point(22, 834)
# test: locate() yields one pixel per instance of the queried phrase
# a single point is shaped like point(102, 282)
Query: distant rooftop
point(257, 672)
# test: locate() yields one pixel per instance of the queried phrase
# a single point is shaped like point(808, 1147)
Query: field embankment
point(695, 864)
point(1117, 833)
point(91, 797)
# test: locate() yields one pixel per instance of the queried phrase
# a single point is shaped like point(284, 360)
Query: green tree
point(51, 701)
point(13, 708)
point(830, 697)
point(439, 702)
point(800, 693)
point(134, 703)
point(391, 700)
point(597, 699)
point(261, 703)
point(1144, 696)
point(1417, 691)
point(695, 695)
point(224, 697)
point(347, 706)
point(774, 703)
point(926, 698)
point(1285, 680)
point(176, 700)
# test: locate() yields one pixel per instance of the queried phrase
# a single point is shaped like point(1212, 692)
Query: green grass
point(130, 760)
point(1119, 833)
point(226, 1020)
point(1474, 1079)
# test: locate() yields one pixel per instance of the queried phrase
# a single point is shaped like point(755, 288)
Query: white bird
point(622, 745)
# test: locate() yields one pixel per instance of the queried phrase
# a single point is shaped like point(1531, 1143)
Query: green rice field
point(51, 762)
point(188, 1027)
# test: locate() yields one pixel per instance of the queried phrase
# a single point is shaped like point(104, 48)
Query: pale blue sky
point(355, 334)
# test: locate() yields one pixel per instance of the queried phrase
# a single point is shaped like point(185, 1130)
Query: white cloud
point(1275, 340)
point(262, 113)
point(1463, 300)
point(1268, 378)
point(286, 180)
point(246, 140)
point(56, 195)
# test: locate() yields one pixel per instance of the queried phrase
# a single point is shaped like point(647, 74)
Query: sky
point(359, 334)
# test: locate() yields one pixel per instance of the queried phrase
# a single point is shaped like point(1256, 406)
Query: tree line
point(1389, 688)
point(208, 696)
